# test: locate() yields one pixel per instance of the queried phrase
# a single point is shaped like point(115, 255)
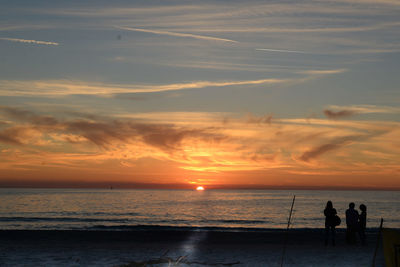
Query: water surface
point(118, 209)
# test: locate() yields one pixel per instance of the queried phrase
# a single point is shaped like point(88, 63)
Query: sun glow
point(200, 188)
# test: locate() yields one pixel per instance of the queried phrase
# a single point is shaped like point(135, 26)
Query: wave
point(58, 219)
point(81, 214)
point(175, 228)
point(149, 220)
point(125, 220)
point(208, 228)
point(149, 223)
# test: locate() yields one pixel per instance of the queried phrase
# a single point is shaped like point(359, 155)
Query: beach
point(167, 246)
point(71, 227)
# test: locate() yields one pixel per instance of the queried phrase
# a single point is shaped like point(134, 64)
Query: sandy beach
point(180, 247)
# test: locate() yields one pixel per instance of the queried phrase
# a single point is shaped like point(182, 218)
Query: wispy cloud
point(64, 87)
point(266, 119)
point(338, 114)
point(103, 132)
point(361, 28)
point(323, 72)
point(201, 144)
point(126, 11)
point(372, 2)
point(365, 109)
point(67, 87)
point(324, 148)
point(280, 51)
point(21, 135)
point(177, 34)
point(28, 41)
point(229, 65)
point(22, 27)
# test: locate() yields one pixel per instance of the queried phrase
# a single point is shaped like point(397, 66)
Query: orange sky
point(174, 94)
point(187, 149)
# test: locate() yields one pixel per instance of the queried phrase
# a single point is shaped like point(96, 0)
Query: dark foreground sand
point(200, 248)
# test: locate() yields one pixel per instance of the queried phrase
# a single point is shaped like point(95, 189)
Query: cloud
point(372, 2)
point(23, 27)
point(181, 13)
point(266, 119)
point(366, 109)
point(347, 111)
point(20, 135)
point(194, 141)
point(281, 51)
point(64, 87)
point(162, 136)
point(323, 72)
point(23, 115)
point(373, 27)
point(338, 114)
point(318, 151)
point(333, 145)
point(28, 41)
point(341, 141)
point(229, 65)
point(104, 132)
point(126, 11)
point(10, 136)
point(166, 137)
point(177, 34)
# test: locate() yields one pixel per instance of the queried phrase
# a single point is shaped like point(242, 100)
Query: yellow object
point(391, 247)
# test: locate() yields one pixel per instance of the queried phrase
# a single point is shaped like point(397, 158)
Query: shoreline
point(305, 247)
point(174, 234)
point(170, 228)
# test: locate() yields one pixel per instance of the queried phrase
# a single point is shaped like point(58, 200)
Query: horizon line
point(177, 186)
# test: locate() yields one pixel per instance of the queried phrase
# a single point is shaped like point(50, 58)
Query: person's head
point(363, 207)
point(351, 205)
point(329, 205)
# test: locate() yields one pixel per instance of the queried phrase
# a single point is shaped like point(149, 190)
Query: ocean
point(95, 209)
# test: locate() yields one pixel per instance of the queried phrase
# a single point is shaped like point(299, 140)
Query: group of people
point(355, 222)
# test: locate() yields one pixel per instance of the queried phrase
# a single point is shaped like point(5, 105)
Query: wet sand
point(194, 247)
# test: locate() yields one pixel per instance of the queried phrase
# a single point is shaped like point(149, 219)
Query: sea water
point(39, 209)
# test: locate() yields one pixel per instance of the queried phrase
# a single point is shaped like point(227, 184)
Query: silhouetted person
point(362, 223)
point(352, 224)
point(329, 213)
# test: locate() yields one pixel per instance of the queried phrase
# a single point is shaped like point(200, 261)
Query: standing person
point(330, 213)
point(352, 224)
point(362, 223)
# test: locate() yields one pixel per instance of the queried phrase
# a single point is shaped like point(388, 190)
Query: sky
point(224, 94)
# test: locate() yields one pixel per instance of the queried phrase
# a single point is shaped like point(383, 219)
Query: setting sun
point(200, 188)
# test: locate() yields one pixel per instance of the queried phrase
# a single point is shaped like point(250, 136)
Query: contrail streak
point(178, 34)
point(28, 41)
point(281, 51)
